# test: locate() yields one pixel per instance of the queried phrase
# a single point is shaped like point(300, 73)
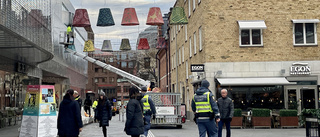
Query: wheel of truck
point(179, 126)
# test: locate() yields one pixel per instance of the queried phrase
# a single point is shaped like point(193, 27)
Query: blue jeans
point(227, 122)
point(207, 127)
point(147, 127)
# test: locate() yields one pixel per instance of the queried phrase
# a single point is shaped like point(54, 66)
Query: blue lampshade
point(105, 17)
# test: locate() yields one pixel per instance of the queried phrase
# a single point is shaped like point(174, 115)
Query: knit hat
point(102, 93)
point(205, 83)
point(144, 88)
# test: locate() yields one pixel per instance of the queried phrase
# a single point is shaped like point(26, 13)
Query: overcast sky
point(117, 32)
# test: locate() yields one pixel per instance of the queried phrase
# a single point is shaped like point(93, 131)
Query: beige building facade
point(265, 53)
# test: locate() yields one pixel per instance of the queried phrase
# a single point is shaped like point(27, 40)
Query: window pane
point(310, 32)
point(245, 37)
point(123, 56)
point(130, 64)
point(298, 33)
point(123, 64)
point(256, 36)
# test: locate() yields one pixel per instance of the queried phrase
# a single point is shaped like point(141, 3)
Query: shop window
point(271, 97)
point(305, 32)
point(251, 33)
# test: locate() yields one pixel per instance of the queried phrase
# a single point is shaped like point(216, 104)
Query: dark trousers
point(227, 123)
point(104, 130)
point(207, 127)
point(147, 127)
point(86, 109)
point(135, 135)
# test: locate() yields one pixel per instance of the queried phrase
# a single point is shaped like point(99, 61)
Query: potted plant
point(261, 118)
point(308, 113)
point(289, 118)
point(114, 111)
point(237, 118)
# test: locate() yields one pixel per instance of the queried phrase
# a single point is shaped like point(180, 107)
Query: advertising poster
point(39, 115)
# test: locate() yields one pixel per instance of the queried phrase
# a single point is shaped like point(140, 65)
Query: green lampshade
point(125, 44)
point(105, 17)
point(178, 17)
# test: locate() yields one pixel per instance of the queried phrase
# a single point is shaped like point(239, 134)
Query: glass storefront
point(244, 97)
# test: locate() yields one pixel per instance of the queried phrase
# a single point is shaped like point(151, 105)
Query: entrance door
point(308, 98)
point(300, 97)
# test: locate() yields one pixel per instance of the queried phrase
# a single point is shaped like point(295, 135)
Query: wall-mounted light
point(283, 71)
point(219, 72)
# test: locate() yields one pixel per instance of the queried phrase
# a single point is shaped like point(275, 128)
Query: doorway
point(301, 97)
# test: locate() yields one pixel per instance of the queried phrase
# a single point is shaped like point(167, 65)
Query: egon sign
point(197, 68)
point(300, 69)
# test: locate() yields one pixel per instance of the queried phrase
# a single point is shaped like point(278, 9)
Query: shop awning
point(253, 81)
point(252, 24)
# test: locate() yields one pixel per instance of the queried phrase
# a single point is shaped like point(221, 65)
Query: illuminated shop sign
point(197, 68)
point(300, 69)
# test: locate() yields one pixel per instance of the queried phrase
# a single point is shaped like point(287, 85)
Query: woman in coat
point(69, 117)
point(134, 124)
point(104, 113)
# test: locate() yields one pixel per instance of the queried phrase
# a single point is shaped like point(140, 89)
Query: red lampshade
point(129, 17)
point(155, 17)
point(81, 18)
point(143, 44)
point(161, 43)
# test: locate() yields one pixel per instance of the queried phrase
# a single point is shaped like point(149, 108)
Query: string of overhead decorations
point(105, 18)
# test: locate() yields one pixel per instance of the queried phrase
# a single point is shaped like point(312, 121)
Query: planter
point(113, 113)
point(261, 122)
point(236, 122)
point(289, 122)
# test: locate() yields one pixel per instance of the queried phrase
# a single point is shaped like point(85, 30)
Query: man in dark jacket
point(225, 105)
point(206, 111)
point(77, 98)
point(69, 117)
point(148, 109)
point(87, 105)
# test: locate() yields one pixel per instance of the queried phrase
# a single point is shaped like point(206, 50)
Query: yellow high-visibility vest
point(203, 106)
point(69, 30)
point(146, 105)
point(95, 104)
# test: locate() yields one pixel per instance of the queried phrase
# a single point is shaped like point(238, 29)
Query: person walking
point(104, 112)
point(148, 110)
point(225, 105)
point(69, 117)
point(94, 107)
point(206, 111)
point(77, 98)
point(134, 124)
point(87, 105)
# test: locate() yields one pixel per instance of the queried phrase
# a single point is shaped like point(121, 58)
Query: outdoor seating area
point(265, 118)
point(10, 117)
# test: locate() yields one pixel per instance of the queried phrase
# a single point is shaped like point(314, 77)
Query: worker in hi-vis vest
point(148, 110)
point(206, 111)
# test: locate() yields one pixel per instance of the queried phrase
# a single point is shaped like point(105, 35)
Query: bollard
point(122, 116)
point(119, 116)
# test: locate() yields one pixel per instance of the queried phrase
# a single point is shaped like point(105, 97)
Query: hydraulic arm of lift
point(130, 77)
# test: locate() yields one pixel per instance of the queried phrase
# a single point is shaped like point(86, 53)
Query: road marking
point(150, 134)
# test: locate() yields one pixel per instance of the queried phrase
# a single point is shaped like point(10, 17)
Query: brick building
point(265, 53)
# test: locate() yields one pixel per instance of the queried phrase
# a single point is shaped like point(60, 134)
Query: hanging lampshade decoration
point(72, 47)
point(155, 17)
point(143, 44)
point(129, 17)
point(106, 46)
point(88, 46)
point(161, 43)
point(105, 17)
point(178, 16)
point(125, 44)
point(81, 18)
